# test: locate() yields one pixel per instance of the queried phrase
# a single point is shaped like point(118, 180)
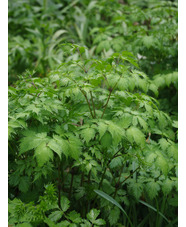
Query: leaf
point(24, 225)
point(99, 222)
point(125, 121)
point(43, 154)
point(65, 203)
point(56, 215)
point(113, 201)
point(74, 147)
point(114, 216)
point(116, 162)
point(161, 162)
point(102, 128)
point(135, 189)
point(151, 207)
point(63, 144)
point(164, 144)
point(88, 134)
point(167, 186)
point(55, 147)
point(74, 217)
point(106, 140)
point(116, 132)
point(148, 41)
point(152, 189)
point(93, 214)
point(142, 123)
point(31, 140)
point(24, 184)
point(154, 88)
point(135, 135)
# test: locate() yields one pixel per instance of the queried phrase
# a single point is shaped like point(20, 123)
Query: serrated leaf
point(88, 134)
point(125, 121)
point(135, 135)
point(56, 215)
point(43, 154)
point(152, 189)
point(65, 203)
point(31, 140)
point(93, 214)
point(161, 162)
point(142, 123)
point(99, 222)
point(114, 216)
point(164, 144)
point(102, 128)
point(106, 140)
point(167, 186)
point(116, 162)
point(74, 217)
point(135, 189)
point(116, 132)
point(55, 147)
point(154, 88)
point(63, 145)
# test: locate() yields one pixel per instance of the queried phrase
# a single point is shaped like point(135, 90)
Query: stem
point(130, 175)
point(93, 104)
point(106, 103)
point(71, 184)
point(59, 185)
point(111, 89)
point(117, 185)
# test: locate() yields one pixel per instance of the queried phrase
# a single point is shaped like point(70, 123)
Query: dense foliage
point(93, 113)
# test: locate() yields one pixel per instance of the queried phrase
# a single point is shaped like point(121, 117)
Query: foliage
point(91, 124)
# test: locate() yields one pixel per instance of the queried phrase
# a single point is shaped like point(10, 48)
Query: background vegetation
point(93, 130)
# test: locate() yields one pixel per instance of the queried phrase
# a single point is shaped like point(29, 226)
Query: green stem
point(93, 104)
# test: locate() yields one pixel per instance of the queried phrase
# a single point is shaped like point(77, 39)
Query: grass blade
point(113, 201)
point(151, 207)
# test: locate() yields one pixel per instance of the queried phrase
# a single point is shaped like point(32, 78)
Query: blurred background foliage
point(148, 29)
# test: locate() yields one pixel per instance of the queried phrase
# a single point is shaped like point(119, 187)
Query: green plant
point(91, 124)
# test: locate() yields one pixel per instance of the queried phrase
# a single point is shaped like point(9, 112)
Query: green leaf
point(154, 88)
point(152, 189)
point(142, 123)
point(63, 145)
point(125, 121)
point(148, 41)
point(24, 184)
point(114, 216)
point(55, 147)
point(102, 128)
point(74, 217)
point(135, 189)
point(88, 134)
point(99, 222)
point(43, 154)
point(113, 201)
point(65, 203)
point(24, 225)
point(56, 215)
point(167, 186)
point(31, 140)
point(106, 140)
point(93, 214)
point(164, 144)
point(135, 135)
